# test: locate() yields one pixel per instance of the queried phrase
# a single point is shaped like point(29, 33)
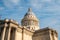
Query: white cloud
point(7, 3)
point(39, 4)
point(36, 4)
point(53, 8)
point(15, 1)
point(11, 3)
point(50, 6)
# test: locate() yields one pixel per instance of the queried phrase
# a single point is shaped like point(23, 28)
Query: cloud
point(39, 3)
point(44, 4)
point(54, 8)
point(15, 1)
point(36, 3)
point(11, 3)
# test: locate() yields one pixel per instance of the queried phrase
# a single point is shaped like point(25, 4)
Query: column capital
point(5, 24)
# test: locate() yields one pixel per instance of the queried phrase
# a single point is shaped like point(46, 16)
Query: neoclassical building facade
point(28, 30)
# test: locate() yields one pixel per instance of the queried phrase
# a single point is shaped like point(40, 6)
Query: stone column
point(3, 33)
point(9, 31)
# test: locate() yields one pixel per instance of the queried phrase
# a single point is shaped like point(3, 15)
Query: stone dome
point(30, 15)
point(30, 20)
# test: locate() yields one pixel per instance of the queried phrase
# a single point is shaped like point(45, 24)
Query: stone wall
point(27, 35)
point(41, 36)
point(23, 34)
point(18, 34)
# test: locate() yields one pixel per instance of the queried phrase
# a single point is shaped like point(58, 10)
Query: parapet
point(46, 29)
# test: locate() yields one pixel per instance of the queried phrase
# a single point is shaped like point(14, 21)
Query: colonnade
point(7, 32)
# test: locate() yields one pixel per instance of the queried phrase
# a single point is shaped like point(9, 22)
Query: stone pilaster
point(9, 31)
point(3, 33)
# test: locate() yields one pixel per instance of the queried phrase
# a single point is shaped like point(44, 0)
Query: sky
point(47, 11)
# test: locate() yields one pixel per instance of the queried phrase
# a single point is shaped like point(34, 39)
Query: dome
point(30, 15)
point(30, 20)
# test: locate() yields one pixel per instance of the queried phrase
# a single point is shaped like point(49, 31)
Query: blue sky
point(47, 11)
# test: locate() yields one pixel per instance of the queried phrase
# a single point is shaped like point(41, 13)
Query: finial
point(29, 9)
